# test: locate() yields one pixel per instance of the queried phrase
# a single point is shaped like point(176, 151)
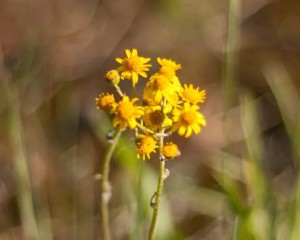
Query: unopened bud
point(113, 76)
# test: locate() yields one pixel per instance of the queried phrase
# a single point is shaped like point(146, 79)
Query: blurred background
point(236, 180)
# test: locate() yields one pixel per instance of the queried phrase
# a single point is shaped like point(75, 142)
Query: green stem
point(105, 188)
point(118, 89)
point(22, 174)
point(158, 191)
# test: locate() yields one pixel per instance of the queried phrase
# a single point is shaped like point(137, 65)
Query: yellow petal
point(181, 130)
point(128, 53)
point(188, 132)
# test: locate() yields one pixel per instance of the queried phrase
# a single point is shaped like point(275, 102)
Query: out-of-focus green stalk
point(158, 192)
point(105, 188)
point(262, 217)
point(287, 100)
point(229, 73)
point(25, 199)
point(231, 49)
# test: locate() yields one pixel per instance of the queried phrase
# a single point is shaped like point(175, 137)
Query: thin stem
point(236, 228)
point(160, 184)
point(25, 198)
point(118, 89)
point(106, 190)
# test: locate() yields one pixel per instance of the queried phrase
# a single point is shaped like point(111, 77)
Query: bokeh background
point(236, 180)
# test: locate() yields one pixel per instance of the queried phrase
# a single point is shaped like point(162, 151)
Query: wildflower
point(126, 113)
point(187, 120)
point(192, 95)
point(159, 87)
point(133, 66)
point(168, 67)
point(113, 76)
point(170, 150)
point(154, 118)
point(105, 101)
point(145, 146)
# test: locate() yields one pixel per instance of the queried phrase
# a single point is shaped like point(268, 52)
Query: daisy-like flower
point(159, 87)
point(105, 101)
point(126, 113)
point(168, 67)
point(133, 66)
point(145, 146)
point(154, 118)
point(192, 95)
point(188, 120)
point(170, 150)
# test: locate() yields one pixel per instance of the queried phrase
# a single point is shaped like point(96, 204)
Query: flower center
point(146, 145)
point(131, 64)
point(189, 117)
point(105, 101)
point(125, 110)
point(156, 117)
point(170, 150)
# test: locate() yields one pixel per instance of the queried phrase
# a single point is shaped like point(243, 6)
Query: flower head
point(133, 66)
point(145, 146)
point(159, 87)
point(105, 101)
point(155, 118)
point(170, 150)
point(187, 120)
point(112, 76)
point(126, 113)
point(168, 67)
point(192, 95)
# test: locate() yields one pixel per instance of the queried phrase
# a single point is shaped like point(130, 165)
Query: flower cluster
point(166, 105)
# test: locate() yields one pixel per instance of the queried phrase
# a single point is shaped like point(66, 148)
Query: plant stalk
point(158, 192)
point(105, 192)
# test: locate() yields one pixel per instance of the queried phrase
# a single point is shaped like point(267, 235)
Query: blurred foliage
point(234, 181)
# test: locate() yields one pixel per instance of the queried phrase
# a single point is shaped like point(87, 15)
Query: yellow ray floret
point(187, 120)
point(170, 150)
point(133, 66)
point(193, 95)
point(126, 113)
point(145, 146)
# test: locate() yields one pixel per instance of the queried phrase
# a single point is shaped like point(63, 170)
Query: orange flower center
point(125, 110)
point(105, 101)
point(147, 145)
point(156, 117)
point(170, 150)
point(189, 117)
point(131, 64)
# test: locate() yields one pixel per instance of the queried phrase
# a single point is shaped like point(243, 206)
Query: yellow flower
point(159, 87)
point(154, 118)
point(112, 76)
point(126, 113)
point(105, 101)
point(168, 67)
point(170, 150)
point(145, 146)
point(193, 95)
point(187, 120)
point(133, 66)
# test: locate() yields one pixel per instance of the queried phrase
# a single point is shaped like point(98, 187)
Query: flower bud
point(113, 76)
